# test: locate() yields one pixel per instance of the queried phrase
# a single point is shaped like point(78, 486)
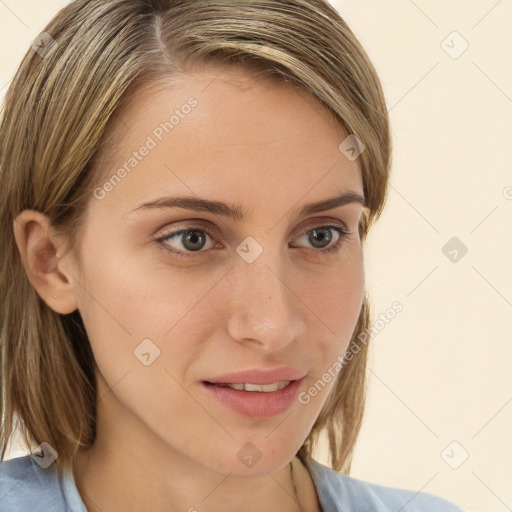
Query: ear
point(39, 250)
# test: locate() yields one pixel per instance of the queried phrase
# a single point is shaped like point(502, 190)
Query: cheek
point(134, 306)
point(336, 299)
point(338, 306)
point(142, 335)
point(337, 303)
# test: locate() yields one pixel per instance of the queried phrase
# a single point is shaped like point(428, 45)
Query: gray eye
point(322, 236)
point(190, 239)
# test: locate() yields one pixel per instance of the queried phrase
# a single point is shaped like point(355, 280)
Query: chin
point(254, 456)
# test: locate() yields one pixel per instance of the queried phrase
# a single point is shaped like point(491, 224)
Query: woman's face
point(257, 283)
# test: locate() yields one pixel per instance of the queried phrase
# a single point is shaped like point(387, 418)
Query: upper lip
point(258, 376)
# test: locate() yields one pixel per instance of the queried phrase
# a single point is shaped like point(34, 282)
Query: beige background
point(441, 370)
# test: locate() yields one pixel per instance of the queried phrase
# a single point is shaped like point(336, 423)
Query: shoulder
point(338, 492)
point(27, 487)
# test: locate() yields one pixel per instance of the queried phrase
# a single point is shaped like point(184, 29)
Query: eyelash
point(336, 248)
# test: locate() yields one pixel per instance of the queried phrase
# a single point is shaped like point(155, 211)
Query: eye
point(189, 241)
point(322, 236)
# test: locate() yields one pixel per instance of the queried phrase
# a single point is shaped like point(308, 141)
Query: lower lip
point(256, 404)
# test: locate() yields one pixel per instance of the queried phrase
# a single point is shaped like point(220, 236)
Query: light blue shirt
point(26, 487)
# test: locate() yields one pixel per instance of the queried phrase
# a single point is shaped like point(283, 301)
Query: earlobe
point(40, 253)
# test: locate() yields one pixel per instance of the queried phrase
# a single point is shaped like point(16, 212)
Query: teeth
point(258, 387)
point(265, 388)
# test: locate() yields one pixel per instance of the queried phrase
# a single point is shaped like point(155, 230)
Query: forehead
point(226, 131)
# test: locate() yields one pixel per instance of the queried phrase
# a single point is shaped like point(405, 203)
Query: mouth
point(254, 400)
point(252, 388)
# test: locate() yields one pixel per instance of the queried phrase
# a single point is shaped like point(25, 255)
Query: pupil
point(193, 240)
point(322, 234)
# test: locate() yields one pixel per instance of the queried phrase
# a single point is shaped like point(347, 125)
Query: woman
point(186, 188)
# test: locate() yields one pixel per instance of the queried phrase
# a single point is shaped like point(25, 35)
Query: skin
point(162, 443)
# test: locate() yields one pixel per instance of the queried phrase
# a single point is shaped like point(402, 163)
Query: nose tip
point(265, 312)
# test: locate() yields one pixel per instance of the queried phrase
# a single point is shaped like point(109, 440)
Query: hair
point(54, 122)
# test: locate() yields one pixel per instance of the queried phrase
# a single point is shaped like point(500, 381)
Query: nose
point(266, 312)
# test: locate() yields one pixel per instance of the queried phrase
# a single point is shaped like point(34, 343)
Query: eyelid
point(324, 221)
point(311, 223)
point(185, 226)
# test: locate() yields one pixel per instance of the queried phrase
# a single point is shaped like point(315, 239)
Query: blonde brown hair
point(56, 113)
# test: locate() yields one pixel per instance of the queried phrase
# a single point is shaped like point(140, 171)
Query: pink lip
point(256, 404)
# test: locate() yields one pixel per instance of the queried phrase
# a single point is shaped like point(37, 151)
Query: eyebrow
point(235, 211)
